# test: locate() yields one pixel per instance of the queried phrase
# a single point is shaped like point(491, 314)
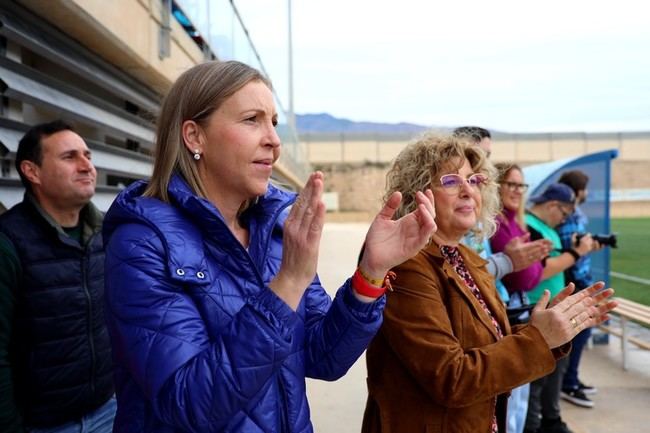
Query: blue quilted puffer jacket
point(200, 343)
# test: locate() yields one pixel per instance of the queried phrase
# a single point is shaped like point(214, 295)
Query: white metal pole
point(292, 118)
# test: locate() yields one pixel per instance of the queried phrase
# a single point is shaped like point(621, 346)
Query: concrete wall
point(360, 187)
point(355, 166)
point(126, 33)
point(520, 148)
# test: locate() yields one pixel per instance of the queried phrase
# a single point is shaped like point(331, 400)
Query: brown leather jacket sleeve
point(443, 338)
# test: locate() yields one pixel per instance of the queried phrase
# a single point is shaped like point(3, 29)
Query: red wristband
point(363, 287)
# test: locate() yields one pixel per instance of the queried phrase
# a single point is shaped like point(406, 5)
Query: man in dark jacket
point(55, 361)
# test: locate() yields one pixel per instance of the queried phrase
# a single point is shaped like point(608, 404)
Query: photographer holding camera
point(572, 231)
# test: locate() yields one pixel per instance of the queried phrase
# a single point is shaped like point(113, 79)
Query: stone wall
point(523, 148)
point(361, 185)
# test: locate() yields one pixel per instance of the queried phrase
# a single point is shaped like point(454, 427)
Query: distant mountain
point(326, 123)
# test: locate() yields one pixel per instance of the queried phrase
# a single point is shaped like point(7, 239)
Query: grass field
point(632, 257)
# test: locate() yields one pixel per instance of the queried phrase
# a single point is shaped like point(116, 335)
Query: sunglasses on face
point(452, 183)
point(514, 186)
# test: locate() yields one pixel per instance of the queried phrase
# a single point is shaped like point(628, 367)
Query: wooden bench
point(629, 310)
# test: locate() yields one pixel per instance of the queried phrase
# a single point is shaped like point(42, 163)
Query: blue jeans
point(571, 376)
point(98, 421)
point(517, 409)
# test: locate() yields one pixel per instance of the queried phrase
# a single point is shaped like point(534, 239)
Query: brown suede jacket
point(436, 364)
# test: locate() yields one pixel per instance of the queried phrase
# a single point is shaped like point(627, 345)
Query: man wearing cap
point(549, 209)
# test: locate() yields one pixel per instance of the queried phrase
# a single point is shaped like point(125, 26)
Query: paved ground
point(337, 407)
point(622, 403)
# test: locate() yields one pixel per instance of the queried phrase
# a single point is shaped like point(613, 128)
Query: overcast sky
point(515, 66)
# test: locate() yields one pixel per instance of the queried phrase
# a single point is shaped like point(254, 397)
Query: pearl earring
point(197, 154)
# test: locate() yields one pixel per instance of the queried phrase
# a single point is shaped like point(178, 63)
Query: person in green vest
point(549, 209)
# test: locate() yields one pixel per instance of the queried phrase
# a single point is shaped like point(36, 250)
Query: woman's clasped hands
point(388, 242)
point(568, 313)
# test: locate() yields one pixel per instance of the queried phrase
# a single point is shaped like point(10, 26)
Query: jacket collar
point(509, 214)
point(206, 224)
point(204, 213)
point(265, 213)
point(90, 219)
point(483, 280)
point(473, 260)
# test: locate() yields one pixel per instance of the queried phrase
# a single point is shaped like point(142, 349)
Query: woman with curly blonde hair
point(445, 342)
point(418, 164)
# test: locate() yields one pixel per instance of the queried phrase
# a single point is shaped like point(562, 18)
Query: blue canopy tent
point(598, 167)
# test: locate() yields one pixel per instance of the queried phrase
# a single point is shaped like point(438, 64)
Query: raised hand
point(523, 253)
point(300, 243)
point(390, 242)
point(569, 314)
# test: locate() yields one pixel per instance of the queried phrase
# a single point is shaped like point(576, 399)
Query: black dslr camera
point(607, 240)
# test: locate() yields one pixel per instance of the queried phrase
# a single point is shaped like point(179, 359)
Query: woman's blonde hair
point(504, 169)
point(195, 95)
point(420, 165)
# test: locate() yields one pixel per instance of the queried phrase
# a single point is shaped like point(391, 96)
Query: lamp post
point(292, 117)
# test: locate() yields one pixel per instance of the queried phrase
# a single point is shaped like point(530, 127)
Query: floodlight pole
point(292, 117)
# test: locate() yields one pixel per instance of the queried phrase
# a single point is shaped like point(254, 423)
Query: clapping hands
point(523, 253)
point(390, 242)
point(569, 314)
point(301, 240)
